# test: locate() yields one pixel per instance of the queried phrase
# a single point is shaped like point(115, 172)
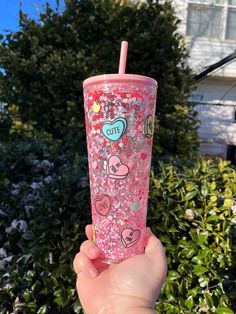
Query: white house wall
point(216, 111)
point(215, 91)
point(204, 51)
point(215, 95)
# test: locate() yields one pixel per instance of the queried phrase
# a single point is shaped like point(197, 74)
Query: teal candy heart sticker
point(134, 206)
point(114, 130)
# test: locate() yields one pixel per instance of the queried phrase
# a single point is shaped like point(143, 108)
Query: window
point(231, 24)
point(204, 21)
point(212, 19)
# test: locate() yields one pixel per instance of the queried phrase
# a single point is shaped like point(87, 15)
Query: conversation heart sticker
point(94, 164)
point(96, 107)
point(116, 169)
point(130, 237)
point(114, 130)
point(149, 126)
point(143, 155)
point(103, 205)
point(134, 206)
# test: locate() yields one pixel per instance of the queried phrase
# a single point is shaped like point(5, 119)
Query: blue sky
point(9, 11)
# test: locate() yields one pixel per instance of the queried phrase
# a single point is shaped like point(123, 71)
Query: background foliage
point(45, 206)
point(46, 61)
point(192, 210)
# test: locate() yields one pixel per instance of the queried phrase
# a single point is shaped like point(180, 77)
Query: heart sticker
point(149, 126)
point(96, 107)
point(114, 130)
point(143, 156)
point(130, 237)
point(134, 206)
point(116, 169)
point(94, 164)
point(103, 205)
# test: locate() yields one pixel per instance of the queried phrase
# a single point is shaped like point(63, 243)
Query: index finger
point(90, 232)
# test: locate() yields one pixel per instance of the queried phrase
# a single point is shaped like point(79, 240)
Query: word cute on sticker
point(114, 130)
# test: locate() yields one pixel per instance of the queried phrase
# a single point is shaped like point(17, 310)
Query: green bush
point(46, 61)
point(193, 210)
point(44, 206)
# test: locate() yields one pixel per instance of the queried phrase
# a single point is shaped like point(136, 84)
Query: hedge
point(44, 206)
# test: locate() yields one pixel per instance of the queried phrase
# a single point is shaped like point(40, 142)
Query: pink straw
point(123, 57)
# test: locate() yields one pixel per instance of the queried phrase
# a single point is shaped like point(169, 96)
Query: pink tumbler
point(119, 115)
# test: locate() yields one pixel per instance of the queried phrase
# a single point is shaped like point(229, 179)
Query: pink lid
point(108, 78)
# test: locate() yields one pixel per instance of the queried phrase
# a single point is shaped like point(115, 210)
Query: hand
point(130, 287)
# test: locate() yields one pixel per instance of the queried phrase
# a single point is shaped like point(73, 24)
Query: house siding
point(215, 95)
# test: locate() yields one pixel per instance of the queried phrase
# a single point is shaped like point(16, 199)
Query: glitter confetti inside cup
point(119, 115)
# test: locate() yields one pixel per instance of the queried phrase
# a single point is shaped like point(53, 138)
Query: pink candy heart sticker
point(94, 164)
point(130, 237)
point(103, 205)
point(116, 169)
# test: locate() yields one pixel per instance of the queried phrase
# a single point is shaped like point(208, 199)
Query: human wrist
point(127, 304)
point(138, 310)
point(125, 309)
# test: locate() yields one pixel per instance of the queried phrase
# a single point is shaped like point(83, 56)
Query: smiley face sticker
point(149, 126)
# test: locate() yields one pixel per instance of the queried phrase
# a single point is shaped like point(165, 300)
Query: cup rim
point(108, 78)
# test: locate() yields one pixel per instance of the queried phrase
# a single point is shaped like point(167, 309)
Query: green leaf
point(173, 229)
point(194, 291)
point(212, 218)
point(199, 269)
point(196, 260)
point(191, 195)
point(213, 198)
point(209, 300)
point(173, 275)
point(224, 310)
point(32, 305)
point(43, 309)
point(203, 281)
point(203, 237)
point(77, 307)
point(168, 288)
point(204, 190)
point(26, 295)
point(189, 302)
point(165, 238)
point(188, 253)
point(228, 202)
point(204, 252)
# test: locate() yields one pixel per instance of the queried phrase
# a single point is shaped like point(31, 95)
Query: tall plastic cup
point(119, 115)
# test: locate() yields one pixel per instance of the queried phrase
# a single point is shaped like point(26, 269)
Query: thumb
point(155, 251)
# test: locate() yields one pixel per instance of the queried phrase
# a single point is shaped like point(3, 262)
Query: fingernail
point(93, 272)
